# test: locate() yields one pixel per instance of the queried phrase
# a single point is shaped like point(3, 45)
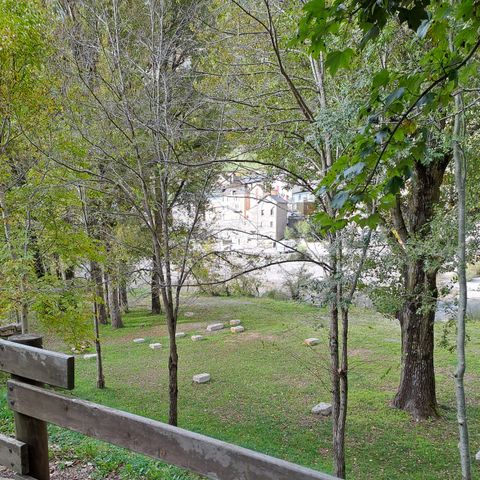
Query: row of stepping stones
point(235, 327)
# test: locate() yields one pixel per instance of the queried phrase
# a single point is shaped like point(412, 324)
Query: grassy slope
point(264, 382)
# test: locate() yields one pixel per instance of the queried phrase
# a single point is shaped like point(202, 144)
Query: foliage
point(440, 41)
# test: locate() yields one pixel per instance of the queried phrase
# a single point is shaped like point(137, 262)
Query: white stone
point(155, 346)
point(234, 323)
point(215, 326)
point(189, 314)
point(201, 378)
point(138, 340)
point(311, 341)
point(88, 356)
point(180, 334)
point(477, 456)
point(322, 408)
point(197, 338)
point(238, 329)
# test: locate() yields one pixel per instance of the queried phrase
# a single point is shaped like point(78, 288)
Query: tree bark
point(99, 293)
point(460, 181)
point(115, 312)
point(173, 382)
point(155, 291)
point(416, 392)
point(98, 348)
point(106, 293)
point(124, 297)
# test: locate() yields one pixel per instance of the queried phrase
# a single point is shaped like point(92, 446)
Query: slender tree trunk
point(338, 452)
point(155, 291)
point(98, 348)
point(124, 298)
point(173, 380)
point(460, 181)
point(24, 313)
point(106, 293)
point(123, 287)
point(99, 293)
point(115, 312)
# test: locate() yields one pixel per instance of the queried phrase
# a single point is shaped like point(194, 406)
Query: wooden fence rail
point(198, 453)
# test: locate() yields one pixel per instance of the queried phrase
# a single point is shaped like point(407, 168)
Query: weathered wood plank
point(30, 430)
point(52, 368)
point(13, 454)
point(10, 329)
point(204, 455)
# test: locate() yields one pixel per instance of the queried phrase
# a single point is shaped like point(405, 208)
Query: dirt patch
point(66, 471)
point(363, 353)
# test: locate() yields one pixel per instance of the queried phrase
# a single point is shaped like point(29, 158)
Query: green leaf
point(394, 185)
point(381, 78)
point(354, 170)
point(339, 200)
point(394, 96)
point(338, 59)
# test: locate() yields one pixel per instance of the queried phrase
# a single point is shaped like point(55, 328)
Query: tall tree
point(140, 129)
point(279, 111)
point(400, 146)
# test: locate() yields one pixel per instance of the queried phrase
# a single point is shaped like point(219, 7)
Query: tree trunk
point(173, 382)
point(101, 310)
point(411, 220)
point(155, 288)
point(124, 297)
point(460, 181)
point(106, 293)
point(416, 393)
point(115, 313)
point(98, 348)
point(335, 292)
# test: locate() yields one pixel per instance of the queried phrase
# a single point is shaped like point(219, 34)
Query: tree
point(285, 119)
point(138, 125)
point(399, 144)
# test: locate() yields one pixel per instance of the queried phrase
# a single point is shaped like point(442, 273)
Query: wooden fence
point(34, 406)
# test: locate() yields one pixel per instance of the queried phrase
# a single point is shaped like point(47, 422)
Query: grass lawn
point(264, 383)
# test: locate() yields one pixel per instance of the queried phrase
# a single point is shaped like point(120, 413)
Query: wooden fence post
point(29, 430)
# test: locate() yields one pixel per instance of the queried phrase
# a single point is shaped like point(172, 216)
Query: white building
point(247, 214)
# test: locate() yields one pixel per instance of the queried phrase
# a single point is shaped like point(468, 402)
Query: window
point(271, 211)
point(262, 213)
point(271, 224)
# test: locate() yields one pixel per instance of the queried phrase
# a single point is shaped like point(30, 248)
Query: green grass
point(264, 383)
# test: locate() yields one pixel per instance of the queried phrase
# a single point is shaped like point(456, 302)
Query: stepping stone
point(138, 340)
point(189, 314)
point(238, 329)
point(88, 356)
point(311, 341)
point(322, 408)
point(215, 326)
point(197, 338)
point(234, 323)
point(477, 456)
point(180, 335)
point(155, 346)
point(201, 378)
